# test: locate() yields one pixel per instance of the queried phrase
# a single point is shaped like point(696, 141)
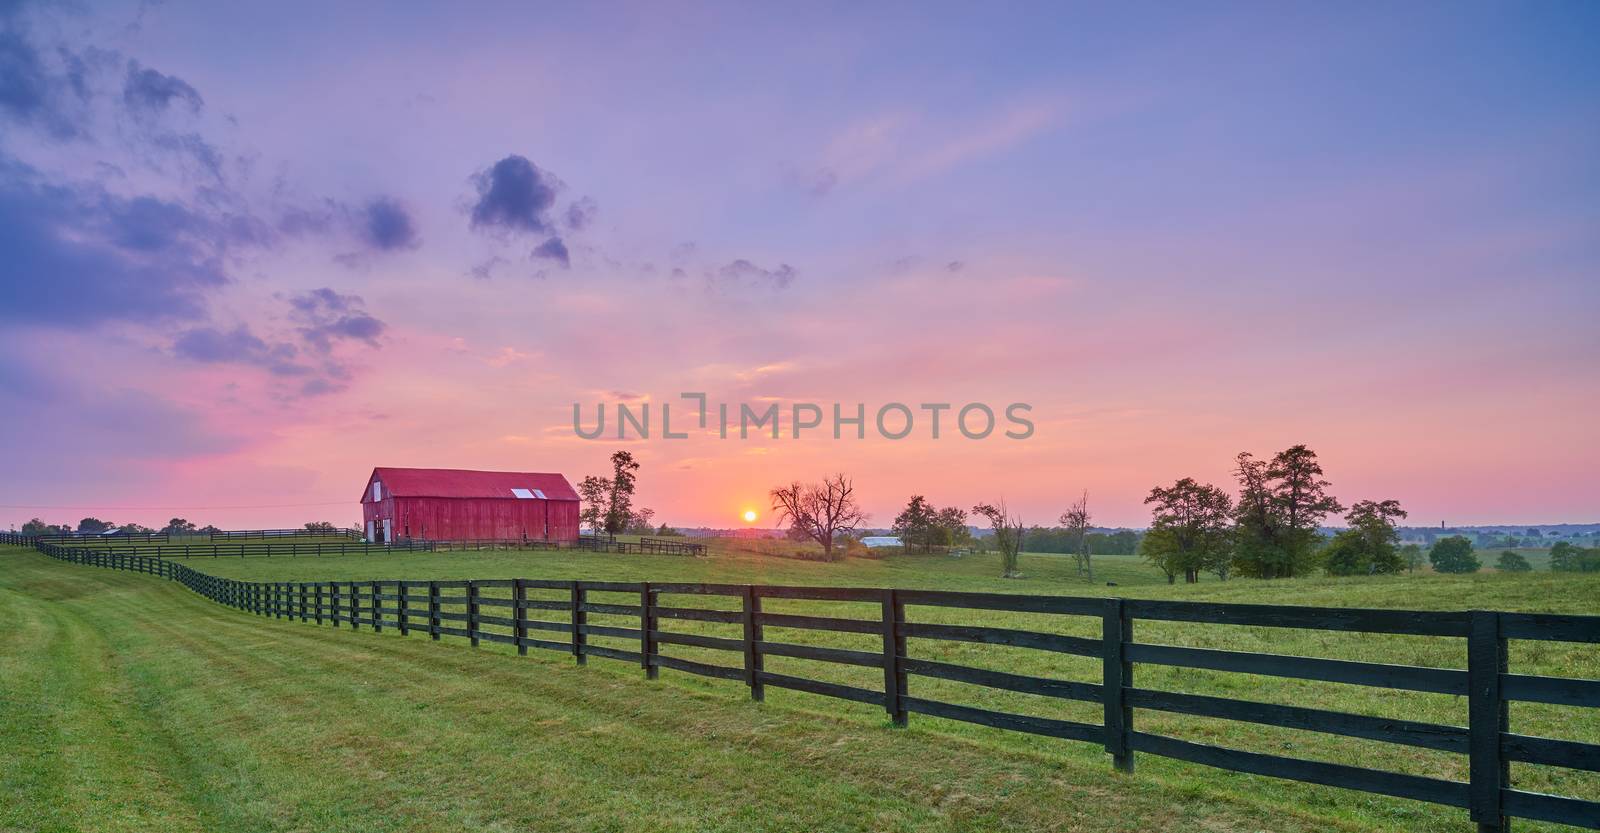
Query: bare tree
point(1076, 520)
point(822, 511)
point(1007, 534)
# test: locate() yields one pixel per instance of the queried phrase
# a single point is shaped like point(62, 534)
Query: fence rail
point(247, 534)
point(502, 611)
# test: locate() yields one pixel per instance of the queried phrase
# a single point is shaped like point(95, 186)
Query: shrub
point(1453, 555)
point(1512, 562)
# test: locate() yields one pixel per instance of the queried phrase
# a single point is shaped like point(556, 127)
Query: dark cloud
point(553, 249)
point(514, 196)
point(75, 254)
point(744, 274)
point(388, 226)
point(326, 317)
point(210, 345)
point(955, 266)
point(148, 93)
point(581, 213)
point(38, 91)
point(323, 318)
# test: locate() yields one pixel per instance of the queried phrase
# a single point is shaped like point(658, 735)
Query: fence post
point(376, 607)
point(894, 646)
point(303, 612)
point(519, 623)
point(433, 610)
point(402, 608)
point(647, 623)
point(752, 653)
point(334, 602)
point(318, 593)
point(355, 606)
point(1487, 718)
point(579, 620)
point(1117, 676)
point(472, 612)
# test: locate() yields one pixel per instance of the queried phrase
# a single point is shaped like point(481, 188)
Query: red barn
point(455, 505)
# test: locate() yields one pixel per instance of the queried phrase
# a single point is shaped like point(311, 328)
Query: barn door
point(388, 530)
point(370, 539)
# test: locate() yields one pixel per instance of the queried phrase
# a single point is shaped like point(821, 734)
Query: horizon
point(248, 260)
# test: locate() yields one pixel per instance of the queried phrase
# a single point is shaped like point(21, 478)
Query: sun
point(749, 516)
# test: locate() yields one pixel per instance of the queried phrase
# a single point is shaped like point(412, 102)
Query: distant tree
point(1411, 554)
point(594, 496)
point(1300, 496)
point(1512, 562)
point(135, 529)
point(208, 529)
point(665, 531)
point(321, 526)
point(1368, 546)
point(1453, 555)
point(1564, 557)
point(1189, 529)
point(93, 526)
point(1008, 532)
point(619, 509)
point(916, 524)
point(641, 522)
point(38, 527)
point(178, 526)
point(950, 524)
point(1076, 521)
point(823, 511)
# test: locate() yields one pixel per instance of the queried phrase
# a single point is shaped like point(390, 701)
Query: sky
point(249, 253)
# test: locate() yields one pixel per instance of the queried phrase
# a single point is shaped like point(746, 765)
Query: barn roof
point(463, 483)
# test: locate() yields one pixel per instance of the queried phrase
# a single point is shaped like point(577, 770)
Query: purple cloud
point(388, 226)
point(553, 249)
point(326, 317)
point(149, 93)
point(516, 196)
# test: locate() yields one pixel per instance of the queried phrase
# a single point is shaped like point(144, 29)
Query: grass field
point(421, 708)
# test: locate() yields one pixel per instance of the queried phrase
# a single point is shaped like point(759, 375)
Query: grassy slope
point(127, 703)
point(1047, 574)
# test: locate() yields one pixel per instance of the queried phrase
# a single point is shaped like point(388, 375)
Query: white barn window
point(523, 494)
point(538, 494)
point(377, 491)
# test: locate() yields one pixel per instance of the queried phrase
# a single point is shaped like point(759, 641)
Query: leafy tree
point(916, 524)
point(38, 527)
point(1076, 521)
point(620, 507)
point(1411, 554)
point(93, 526)
point(1008, 531)
point(1281, 504)
point(822, 511)
point(665, 531)
point(178, 526)
point(642, 522)
point(1512, 562)
point(135, 529)
point(1453, 555)
point(1189, 530)
point(594, 495)
point(321, 526)
point(1368, 546)
point(1564, 557)
point(951, 525)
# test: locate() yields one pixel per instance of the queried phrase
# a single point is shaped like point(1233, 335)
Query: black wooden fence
point(302, 532)
point(503, 611)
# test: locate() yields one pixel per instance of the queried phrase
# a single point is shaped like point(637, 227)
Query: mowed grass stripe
point(209, 719)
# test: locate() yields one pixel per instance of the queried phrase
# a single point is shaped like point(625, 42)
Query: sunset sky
point(247, 254)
